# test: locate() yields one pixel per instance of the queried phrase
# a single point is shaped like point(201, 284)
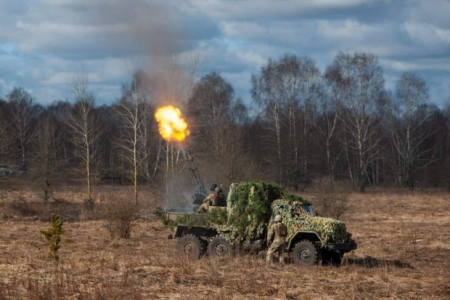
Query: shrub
point(67, 211)
point(331, 205)
point(330, 200)
point(120, 214)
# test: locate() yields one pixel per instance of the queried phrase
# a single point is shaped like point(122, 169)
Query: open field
point(403, 253)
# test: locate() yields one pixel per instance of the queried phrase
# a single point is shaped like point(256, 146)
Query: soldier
point(215, 198)
point(276, 239)
point(220, 199)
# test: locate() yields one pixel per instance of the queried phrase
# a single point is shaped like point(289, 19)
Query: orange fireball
point(172, 126)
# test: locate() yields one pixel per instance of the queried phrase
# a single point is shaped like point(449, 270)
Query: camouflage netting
point(327, 228)
point(249, 209)
point(218, 216)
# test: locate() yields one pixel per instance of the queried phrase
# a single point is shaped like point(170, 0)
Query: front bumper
point(342, 247)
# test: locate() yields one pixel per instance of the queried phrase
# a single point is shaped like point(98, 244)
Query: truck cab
point(311, 238)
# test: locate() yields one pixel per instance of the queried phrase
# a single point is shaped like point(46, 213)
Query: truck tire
point(305, 254)
point(190, 246)
point(219, 247)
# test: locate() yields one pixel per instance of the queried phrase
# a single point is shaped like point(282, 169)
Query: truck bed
point(188, 219)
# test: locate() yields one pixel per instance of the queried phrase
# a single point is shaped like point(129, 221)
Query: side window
point(295, 210)
point(298, 210)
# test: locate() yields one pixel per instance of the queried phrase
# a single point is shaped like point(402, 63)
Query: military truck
point(243, 226)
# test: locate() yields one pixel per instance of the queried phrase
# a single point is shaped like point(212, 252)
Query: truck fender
point(180, 231)
point(303, 235)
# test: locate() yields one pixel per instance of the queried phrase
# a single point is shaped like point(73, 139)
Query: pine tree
point(53, 235)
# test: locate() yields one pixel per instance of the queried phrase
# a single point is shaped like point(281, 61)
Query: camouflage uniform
point(211, 198)
point(216, 198)
point(220, 199)
point(277, 233)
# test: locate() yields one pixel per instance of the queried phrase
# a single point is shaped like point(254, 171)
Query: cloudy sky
point(45, 43)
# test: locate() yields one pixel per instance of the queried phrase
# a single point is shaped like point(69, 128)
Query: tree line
point(302, 124)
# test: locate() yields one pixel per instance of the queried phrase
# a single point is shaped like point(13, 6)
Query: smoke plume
point(168, 80)
point(152, 29)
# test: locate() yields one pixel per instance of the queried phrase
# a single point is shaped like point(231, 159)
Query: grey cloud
point(434, 12)
point(106, 37)
point(235, 37)
point(79, 29)
point(268, 9)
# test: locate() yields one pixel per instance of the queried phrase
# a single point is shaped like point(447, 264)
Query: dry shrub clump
point(330, 199)
point(68, 211)
point(89, 210)
point(120, 214)
point(20, 207)
point(89, 204)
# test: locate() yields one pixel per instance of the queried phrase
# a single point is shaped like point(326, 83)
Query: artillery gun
point(243, 225)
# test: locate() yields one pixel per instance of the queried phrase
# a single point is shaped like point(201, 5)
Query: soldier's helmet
point(278, 218)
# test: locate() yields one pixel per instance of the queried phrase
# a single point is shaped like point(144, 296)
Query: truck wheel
point(305, 254)
point(219, 247)
point(190, 246)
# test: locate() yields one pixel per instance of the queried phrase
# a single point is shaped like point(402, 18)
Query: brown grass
point(403, 252)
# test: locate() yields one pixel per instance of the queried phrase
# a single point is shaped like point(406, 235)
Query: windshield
point(309, 209)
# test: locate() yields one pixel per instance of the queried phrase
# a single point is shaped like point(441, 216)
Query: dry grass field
point(403, 253)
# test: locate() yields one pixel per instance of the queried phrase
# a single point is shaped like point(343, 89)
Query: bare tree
point(150, 149)
point(285, 89)
point(266, 93)
point(209, 105)
point(83, 122)
point(327, 123)
point(4, 122)
point(408, 136)
point(133, 114)
point(23, 118)
point(45, 154)
point(219, 134)
point(234, 164)
point(357, 81)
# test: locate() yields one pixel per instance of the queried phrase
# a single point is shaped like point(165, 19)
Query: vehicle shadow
point(372, 262)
